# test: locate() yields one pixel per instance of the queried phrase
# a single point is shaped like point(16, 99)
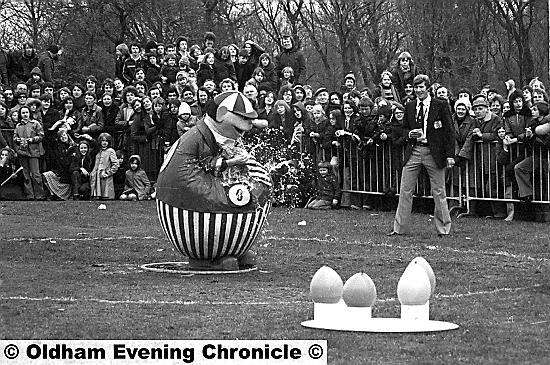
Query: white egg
point(359, 291)
point(414, 286)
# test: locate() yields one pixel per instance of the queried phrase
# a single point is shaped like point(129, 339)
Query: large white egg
point(326, 286)
point(414, 286)
point(429, 271)
point(359, 291)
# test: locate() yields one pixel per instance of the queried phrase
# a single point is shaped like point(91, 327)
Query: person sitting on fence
point(537, 134)
point(327, 189)
point(136, 185)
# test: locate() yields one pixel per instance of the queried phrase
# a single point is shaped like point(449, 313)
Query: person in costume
point(212, 194)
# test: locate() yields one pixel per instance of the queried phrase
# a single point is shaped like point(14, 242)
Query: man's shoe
point(392, 233)
point(442, 235)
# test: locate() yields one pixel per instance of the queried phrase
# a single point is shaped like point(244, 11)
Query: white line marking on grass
point(229, 303)
point(302, 239)
point(436, 248)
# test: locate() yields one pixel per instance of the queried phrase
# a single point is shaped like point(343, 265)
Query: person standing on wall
point(430, 140)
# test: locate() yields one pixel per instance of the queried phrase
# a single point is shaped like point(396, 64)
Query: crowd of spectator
point(106, 139)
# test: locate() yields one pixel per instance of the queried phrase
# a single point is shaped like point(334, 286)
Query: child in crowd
point(82, 165)
point(106, 165)
point(327, 189)
point(136, 184)
point(169, 70)
point(185, 119)
point(288, 77)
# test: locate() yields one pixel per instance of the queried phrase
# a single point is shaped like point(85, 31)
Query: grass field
point(70, 271)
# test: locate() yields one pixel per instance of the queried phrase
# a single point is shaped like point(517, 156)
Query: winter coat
point(170, 73)
point(400, 78)
point(205, 72)
point(4, 67)
point(109, 117)
point(46, 65)
point(129, 69)
point(327, 187)
point(463, 132)
point(223, 70)
point(168, 128)
point(183, 127)
point(137, 180)
point(61, 164)
point(23, 64)
point(243, 73)
point(101, 178)
point(93, 119)
point(293, 58)
point(122, 123)
point(32, 129)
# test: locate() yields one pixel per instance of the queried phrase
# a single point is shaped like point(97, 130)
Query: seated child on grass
point(137, 185)
point(327, 187)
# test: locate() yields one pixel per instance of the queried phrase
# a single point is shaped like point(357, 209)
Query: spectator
point(23, 62)
point(386, 90)
point(131, 64)
point(243, 69)
point(327, 189)
point(122, 53)
point(404, 73)
point(58, 177)
point(349, 83)
point(49, 117)
point(77, 92)
point(11, 190)
point(5, 66)
point(254, 52)
point(185, 119)
point(136, 185)
point(82, 164)
point(28, 137)
point(209, 40)
point(290, 56)
point(170, 69)
point(46, 62)
point(105, 166)
point(124, 118)
point(168, 128)
point(109, 112)
point(91, 121)
point(223, 67)
point(36, 77)
point(206, 69)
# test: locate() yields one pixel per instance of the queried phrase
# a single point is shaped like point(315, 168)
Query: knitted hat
point(480, 100)
point(465, 102)
point(403, 55)
point(237, 103)
point(36, 71)
point(320, 90)
point(350, 76)
point(184, 109)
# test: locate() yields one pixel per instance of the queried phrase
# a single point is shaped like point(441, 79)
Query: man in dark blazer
point(429, 134)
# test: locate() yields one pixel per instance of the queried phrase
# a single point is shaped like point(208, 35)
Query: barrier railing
point(489, 176)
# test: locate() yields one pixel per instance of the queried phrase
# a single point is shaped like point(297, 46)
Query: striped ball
point(210, 236)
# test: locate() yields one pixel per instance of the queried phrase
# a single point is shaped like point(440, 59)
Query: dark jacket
point(61, 164)
point(168, 130)
point(243, 73)
point(4, 67)
point(109, 117)
point(293, 58)
point(271, 79)
point(400, 78)
point(205, 72)
point(23, 64)
point(439, 131)
point(327, 187)
point(223, 70)
point(46, 65)
point(129, 69)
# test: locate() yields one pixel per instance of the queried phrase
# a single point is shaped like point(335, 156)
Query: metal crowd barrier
point(377, 170)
